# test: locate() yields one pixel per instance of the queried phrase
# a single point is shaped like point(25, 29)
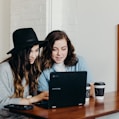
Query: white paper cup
point(87, 92)
point(99, 90)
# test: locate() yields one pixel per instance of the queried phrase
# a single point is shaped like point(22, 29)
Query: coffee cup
point(99, 90)
point(87, 92)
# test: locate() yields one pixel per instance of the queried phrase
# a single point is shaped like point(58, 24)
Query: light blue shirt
point(43, 80)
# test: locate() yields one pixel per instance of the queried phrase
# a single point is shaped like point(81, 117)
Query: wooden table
point(88, 111)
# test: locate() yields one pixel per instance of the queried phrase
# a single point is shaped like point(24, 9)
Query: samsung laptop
point(66, 89)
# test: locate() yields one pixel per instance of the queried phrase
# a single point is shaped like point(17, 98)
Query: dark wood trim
point(118, 57)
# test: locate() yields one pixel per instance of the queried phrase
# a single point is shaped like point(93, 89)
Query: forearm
point(36, 98)
point(42, 96)
point(8, 100)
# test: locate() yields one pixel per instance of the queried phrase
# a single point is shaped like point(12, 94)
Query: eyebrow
point(35, 49)
point(61, 47)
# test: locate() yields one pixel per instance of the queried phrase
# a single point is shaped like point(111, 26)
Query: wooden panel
point(118, 57)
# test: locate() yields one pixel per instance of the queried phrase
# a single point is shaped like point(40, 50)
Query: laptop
point(66, 89)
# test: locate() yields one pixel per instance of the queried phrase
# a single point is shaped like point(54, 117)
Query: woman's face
point(59, 51)
point(33, 53)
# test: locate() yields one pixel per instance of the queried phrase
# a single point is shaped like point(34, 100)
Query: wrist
point(30, 100)
point(35, 99)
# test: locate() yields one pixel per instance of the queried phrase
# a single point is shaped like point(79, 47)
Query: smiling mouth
point(59, 58)
point(31, 60)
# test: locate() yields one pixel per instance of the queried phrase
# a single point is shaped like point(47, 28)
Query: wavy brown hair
point(21, 68)
point(46, 53)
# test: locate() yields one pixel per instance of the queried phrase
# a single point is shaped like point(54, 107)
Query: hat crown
point(25, 36)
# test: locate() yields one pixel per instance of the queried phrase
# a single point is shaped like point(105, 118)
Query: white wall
point(28, 13)
point(92, 27)
point(4, 28)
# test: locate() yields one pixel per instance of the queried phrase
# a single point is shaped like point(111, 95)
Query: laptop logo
point(56, 88)
point(55, 76)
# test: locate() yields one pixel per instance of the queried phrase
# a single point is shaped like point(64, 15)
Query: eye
point(37, 50)
point(64, 48)
point(54, 49)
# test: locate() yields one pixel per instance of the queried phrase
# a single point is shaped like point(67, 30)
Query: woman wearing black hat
point(19, 73)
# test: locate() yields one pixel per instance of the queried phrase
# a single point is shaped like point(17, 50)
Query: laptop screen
point(67, 89)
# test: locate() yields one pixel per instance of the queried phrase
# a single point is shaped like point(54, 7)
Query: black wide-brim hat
point(23, 38)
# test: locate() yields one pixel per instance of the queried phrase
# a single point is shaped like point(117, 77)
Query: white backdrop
point(29, 13)
point(92, 27)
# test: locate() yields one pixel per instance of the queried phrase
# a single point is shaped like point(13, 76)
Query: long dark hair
point(46, 53)
point(21, 68)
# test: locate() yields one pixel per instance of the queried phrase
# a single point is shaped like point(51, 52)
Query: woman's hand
point(92, 92)
point(42, 96)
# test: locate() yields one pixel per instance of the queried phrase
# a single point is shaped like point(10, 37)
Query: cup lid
point(99, 83)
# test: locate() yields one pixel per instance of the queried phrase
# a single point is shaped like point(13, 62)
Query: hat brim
point(40, 43)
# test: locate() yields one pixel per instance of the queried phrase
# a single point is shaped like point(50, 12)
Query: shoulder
point(5, 67)
point(46, 72)
point(81, 63)
point(5, 71)
point(80, 58)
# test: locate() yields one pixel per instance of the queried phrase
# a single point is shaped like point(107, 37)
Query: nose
point(59, 52)
point(33, 54)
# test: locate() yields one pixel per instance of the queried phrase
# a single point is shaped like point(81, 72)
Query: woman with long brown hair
point(19, 73)
point(59, 56)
